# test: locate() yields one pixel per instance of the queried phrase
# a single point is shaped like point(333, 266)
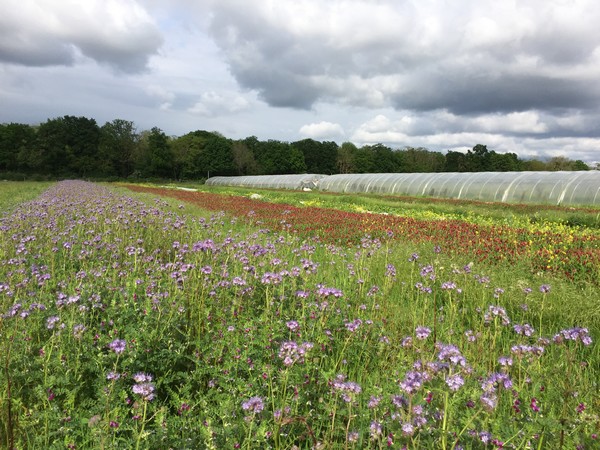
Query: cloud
point(214, 104)
point(162, 95)
point(118, 33)
point(466, 57)
point(322, 131)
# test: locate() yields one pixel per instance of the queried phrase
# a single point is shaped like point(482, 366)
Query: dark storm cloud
point(432, 59)
point(470, 93)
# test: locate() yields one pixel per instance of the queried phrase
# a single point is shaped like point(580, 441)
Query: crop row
point(570, 254)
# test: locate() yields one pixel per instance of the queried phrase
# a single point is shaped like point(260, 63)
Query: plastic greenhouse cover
point(301, 181)
point(559, 188)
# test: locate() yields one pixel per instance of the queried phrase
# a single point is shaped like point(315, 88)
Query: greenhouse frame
point(557, 188)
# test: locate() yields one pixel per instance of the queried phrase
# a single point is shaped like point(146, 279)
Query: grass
point(136, 321)
point(13, 193)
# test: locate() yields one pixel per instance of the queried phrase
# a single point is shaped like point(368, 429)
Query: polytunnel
point(559, 188)
point(295, 181)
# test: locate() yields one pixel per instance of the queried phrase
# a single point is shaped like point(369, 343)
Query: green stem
point(141, 433)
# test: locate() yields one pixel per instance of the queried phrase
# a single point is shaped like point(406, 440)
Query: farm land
point(146, 317)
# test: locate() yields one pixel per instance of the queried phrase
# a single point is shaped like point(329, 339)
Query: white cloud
point(215, 104)
point(516, 122)
point(163, 95)
point(322, 131)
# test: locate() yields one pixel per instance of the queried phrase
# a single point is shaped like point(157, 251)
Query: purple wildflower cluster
point(254, 405)
point(291, 352)
point(573, 334)
point(143, 386)
point(349, 390)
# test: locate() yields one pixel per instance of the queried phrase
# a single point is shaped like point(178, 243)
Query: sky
point(517, 76)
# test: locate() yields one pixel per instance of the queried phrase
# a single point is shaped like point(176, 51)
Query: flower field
point(574, 254)
point(135, 321)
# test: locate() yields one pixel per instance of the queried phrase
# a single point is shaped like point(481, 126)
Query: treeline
point(78, 147)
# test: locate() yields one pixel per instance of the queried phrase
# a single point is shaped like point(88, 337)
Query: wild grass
point(12, 193)
point(137, 322)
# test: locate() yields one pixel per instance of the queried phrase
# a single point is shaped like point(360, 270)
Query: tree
point(505, 162)
point(478, 159)
point(153, 156)
point(345, 157)
point(69, 146)
point(384, 159)
point(419, 160)
point(580, 165)
point(116, 148)
point(203, 153)
point(455, 162)
point(277, 157)
point(15, 139)
point(320, 157)
point(243, 159)
point(364, 160)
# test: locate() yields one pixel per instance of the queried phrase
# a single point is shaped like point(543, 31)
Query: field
point(239, 319)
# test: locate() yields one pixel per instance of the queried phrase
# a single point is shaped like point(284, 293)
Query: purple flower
point(376, 430)
point(144, 390)
point(545, 288)
point(113, 376)
point(422, 332)
point(118, 346)
point(455, 382)
point(348, 389)
point(489, 400)
point(449, 285)
point(254, 405)
point(142, 377)
point(413, 381)
point(408, 429)
point(505, 361)
point(574, 334)
point(291, 352)
point(452, 354)
point(292, 325)
point(524, 330)
point(51, 322)
point(354, 325)
point(373, 401)
point(496, 311)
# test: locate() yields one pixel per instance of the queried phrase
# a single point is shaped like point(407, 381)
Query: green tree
point(364, 160)
point(345, 158)
point(580, 165)
point(243, 159)
point(455, 162)
point(153, 156)
point(116, 148)
point(320, 157)
point(201, 154)
point(478, 159)
point(505, 162)
point(421, 160)
point(16, 141)
point(276, 157)
point(384, 159)
point(69, 146)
